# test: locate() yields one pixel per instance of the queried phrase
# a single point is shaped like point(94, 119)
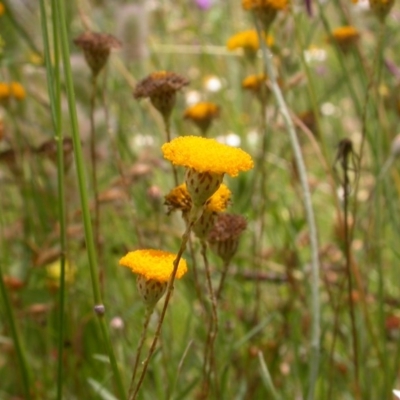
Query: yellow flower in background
point(17, 90)
point(381, 8)
point(202, 114)
point(179, 199)
point(53, 271)
point(265, 10)
point(2, 9)
point(345, 36)
point(153, 264)
point(4, 91)
point(254, 82)
point(247, 40)
point(207, 155)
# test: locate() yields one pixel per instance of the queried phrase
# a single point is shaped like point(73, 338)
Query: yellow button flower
point(17, 91)
point(153, 264)
point(247, 40)
point(265, 10)
point(5, 91)
point(153, 269)
point(207, 155)
point(345, 36)
point(206, 161)
point(2, 9)
point(202, 114)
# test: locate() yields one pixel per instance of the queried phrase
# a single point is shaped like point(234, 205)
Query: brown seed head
point(96, 48)
point(161, 87)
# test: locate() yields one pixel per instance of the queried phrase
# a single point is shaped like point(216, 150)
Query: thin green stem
point(21, 355)
point(315, 301)
point(54, 89)
point(59, 21)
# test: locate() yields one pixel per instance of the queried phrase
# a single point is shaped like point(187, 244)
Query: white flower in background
point(192, 97)
point(212, 83)
point(397, 393)
point(231, 139)
point(314, 54)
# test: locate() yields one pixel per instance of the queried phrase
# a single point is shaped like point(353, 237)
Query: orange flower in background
point(265, 10)
point(381, 8)
point(248, 41)
point(17, 91)
point(345, 37)
point(5, 91)
point(202, 114)
point(2, 9)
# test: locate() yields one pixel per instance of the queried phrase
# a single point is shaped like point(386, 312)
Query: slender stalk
point(209, 355)
point(149, 313)
point(59, 21)
point(315, 301)
point(168, 296)
point(54, 88)
point(221, 284)
point(167, 125)
point(21, 355)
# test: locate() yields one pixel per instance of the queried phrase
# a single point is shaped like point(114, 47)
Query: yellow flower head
point(267, 4)
point(254, 82)
point(381, 8)
point(179, 199)
point(202, 114)
point(265, 10)
point(247, 40)
point(345, 36)
point(207, 155)
point(156, 265)
point(53, 271)
point(17, 90)
point(5, 91)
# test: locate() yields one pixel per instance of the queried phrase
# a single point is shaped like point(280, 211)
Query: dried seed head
point(381, 8)
point(96, 48)
point(161, 87)
point(224, 236)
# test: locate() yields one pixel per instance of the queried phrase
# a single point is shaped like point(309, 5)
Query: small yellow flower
point(179, 199)
point(265, 10)
point(247, 40)
point(254, 82)
point(5, 91)
point(202, 114)
point(17, 91)
point(345, 36)
point(2, 9)
point(156, 265)
point(381, 8)
point(207, 155)
point(53, 271)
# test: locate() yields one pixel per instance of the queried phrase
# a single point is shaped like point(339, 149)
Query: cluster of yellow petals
point(179, 198)
point(345, 34)
point(268, 4)
point(153, 264)
point(202, 111)
point(13, 89)
point(254, 82)
point(207, 155)
point(247, 40)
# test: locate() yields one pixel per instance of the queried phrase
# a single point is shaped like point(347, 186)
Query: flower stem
point(315, 301)
point(170, 288)
point(59, 22)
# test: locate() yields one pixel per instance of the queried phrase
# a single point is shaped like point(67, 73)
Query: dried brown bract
point(161, 88)
point(224, 236)
point(96, 48)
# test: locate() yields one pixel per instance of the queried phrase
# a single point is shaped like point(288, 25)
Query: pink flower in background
point(204, 4)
